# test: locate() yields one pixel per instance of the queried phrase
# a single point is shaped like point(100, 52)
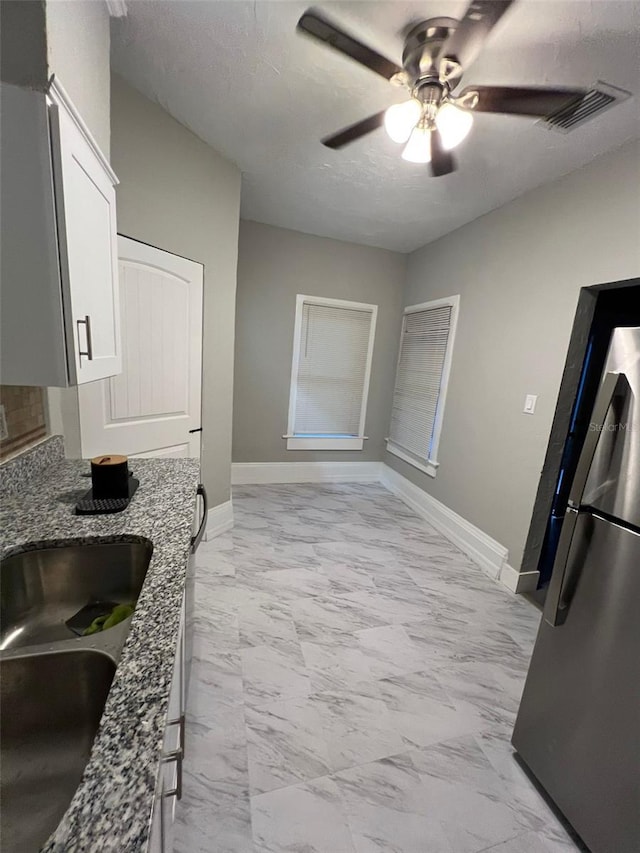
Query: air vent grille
point(600, 97)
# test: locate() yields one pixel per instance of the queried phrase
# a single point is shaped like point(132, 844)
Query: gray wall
point(78, 41)
point(518, 271)
point(68, 38)
point(274, 265)
point(176, 193)
point(23, 43)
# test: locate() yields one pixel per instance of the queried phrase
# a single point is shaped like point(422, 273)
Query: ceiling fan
point(436, 54)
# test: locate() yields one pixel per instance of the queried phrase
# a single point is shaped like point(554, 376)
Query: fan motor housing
point(422, 47)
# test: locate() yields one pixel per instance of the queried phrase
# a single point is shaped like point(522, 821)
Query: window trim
point(430, 466)
point(325, 442)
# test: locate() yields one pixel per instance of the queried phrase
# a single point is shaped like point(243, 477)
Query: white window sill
point(428, 466)
point(317, 443)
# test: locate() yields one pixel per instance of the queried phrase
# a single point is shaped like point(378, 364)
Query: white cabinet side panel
point(32, 331)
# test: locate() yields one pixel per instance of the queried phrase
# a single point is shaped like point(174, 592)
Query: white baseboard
point(219, 520)
point(486, 552)
point(253, 473)
point(490, 555)
point(518, 581)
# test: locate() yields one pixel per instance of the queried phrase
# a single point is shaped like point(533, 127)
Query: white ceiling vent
point(597, 99)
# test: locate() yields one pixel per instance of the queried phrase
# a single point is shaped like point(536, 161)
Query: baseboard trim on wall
point(490, 555)
point(486, 552)
point(518, 581)
point(219, 520)
point(261, 473)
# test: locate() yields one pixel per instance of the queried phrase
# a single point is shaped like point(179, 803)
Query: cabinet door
point(169, 786)
point(86, 217)
point(174, 737)
point(162, 819)
point(156, 833)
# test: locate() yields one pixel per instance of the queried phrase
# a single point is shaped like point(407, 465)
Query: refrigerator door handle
point(612, 386)
point(555, 610)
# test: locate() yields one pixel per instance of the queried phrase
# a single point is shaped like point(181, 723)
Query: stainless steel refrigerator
point(578, 726)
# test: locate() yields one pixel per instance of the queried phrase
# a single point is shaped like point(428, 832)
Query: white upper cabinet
point(59, 276)
point(84, 189)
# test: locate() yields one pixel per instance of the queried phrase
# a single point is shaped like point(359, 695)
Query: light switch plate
point(4, 432)
point(530, 404)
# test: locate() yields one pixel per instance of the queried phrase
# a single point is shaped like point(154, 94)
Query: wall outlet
point(530, 404)
point(4, 432)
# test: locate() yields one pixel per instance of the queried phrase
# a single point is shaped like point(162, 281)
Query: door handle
point(554, 610)
point(87, 324)
point(195, 540)
point(611, 387)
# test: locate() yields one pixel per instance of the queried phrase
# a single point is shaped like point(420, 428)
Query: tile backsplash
point(24, 413)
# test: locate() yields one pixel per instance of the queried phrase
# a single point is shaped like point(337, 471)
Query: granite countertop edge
point(111, 809)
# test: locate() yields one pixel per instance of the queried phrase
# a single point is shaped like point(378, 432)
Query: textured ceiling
point(237, 75)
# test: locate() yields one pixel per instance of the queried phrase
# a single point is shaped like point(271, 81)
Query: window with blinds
point(424, 361)
point(333, 346)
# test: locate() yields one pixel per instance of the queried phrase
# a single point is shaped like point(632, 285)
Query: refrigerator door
point(613, 483)
point(578, 727)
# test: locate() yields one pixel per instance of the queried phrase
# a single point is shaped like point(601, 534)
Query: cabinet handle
point(174, 755)
point(89, 350)
point(162, 832)
point(182, 723)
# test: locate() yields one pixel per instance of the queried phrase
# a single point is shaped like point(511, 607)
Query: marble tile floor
point(354, 686)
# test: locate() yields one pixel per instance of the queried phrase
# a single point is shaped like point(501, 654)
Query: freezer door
point(578, 727)
point(613, 482)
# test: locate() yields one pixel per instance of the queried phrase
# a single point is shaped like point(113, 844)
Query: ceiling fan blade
point(315, 25)
point(354, 131)
point(525, 101)
point(442, 162)
point(467, 40)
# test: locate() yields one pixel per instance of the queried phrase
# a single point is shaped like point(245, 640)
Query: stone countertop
point(112, 807)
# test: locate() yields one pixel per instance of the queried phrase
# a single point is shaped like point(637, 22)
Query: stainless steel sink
point(41, 589)
point(51, 708)
point(53, 683)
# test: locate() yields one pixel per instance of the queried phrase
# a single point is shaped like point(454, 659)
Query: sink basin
point(51, 708)
point(41, 589)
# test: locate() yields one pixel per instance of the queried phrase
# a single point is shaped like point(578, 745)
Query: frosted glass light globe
point(418, 148)
point(454, 124)
point(400, 119)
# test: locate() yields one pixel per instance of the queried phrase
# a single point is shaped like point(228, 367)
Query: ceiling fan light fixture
point(436, 55)
point(400, 119)
point(454, 125)
point(418, 148)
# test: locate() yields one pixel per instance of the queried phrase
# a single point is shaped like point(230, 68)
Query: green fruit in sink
point(96, 626)
point(118, 614)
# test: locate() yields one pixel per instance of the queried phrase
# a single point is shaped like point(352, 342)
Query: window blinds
point(423, 350)
point(332, 369)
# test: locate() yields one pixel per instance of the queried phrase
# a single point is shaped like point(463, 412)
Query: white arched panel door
point(153, 407)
